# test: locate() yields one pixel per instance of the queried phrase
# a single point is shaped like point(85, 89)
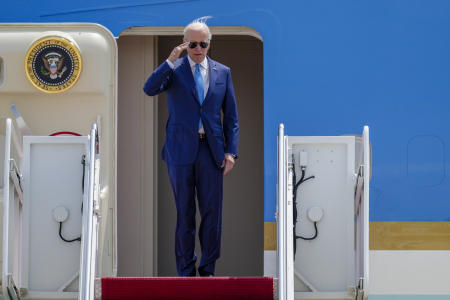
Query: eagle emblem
point(53, 62)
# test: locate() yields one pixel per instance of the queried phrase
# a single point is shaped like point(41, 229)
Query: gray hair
point(198, 24)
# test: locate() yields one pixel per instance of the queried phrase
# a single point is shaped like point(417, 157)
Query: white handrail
point(367, 172)
point(362, 214)
point(12, 191)
point(281, 239)
point(6, 205)
point(285, 250)
point(89, 236)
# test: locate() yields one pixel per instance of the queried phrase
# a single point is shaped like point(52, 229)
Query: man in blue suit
point(200, 145)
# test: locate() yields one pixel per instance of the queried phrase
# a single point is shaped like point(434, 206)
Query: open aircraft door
point(59, 207)
point(323, 216)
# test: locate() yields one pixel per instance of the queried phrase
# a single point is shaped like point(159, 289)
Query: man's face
point(198, 53)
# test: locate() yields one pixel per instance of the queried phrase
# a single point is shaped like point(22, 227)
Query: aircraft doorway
point(146, 208)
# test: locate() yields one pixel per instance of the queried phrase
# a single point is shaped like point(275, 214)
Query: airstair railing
point(367, 172)
point(281, 261)
point(285, 260)
point(362, 215)
point(12, 208)
point(89, 236)
point(6, 200)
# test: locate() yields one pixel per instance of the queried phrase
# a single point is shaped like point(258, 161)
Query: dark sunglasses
point(192, 45)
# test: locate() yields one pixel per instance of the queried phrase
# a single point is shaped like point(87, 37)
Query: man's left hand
point(228, 163)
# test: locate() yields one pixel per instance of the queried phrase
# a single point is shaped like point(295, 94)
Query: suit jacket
point(185, 111)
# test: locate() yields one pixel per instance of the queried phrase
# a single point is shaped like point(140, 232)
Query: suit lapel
point(212, 77)
point(187, 73)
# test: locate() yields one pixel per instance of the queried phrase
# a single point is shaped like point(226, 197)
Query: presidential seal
point(53, 64)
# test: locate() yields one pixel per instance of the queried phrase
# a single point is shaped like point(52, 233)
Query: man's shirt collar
point(203, 64)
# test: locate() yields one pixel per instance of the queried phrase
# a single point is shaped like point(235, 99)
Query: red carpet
point(187, 288)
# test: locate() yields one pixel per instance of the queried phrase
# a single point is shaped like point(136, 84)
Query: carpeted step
point(187, 288)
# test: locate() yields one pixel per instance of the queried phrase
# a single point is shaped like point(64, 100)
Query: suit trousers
point(202, 180)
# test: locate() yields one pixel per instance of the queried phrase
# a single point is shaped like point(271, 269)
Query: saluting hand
point(175, 54)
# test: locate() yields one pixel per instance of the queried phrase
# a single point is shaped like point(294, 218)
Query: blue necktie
point(200, 88)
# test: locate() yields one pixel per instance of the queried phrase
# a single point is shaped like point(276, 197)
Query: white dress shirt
point(203, 70)
point(205, 75)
